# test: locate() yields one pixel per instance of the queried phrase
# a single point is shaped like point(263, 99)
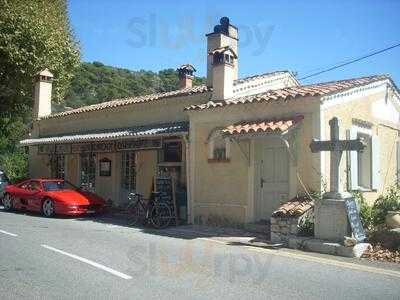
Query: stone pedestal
point(331, 221)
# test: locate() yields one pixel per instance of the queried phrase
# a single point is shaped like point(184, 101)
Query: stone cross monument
point(330, 213)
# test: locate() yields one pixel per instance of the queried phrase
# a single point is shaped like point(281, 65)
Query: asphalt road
point(65, 258)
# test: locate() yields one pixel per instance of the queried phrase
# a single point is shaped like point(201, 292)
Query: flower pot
point(393, 219)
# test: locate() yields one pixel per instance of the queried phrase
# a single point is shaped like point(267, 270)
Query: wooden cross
point(336, 147)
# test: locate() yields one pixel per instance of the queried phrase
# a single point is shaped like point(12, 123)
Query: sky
point(300, 36)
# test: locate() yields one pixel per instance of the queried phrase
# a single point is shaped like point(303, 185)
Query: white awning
point(157, 130)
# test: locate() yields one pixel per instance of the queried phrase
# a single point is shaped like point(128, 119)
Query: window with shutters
point(365, 163)
point(364, 166)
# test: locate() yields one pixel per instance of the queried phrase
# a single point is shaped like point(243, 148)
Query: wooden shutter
point(375, 163)
point(352, 181)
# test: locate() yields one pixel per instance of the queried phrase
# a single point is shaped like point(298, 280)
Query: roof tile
point(318, 89)
point(294, 208)
point(278, 126)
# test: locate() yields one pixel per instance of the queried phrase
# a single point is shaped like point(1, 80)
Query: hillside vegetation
point(96, 82)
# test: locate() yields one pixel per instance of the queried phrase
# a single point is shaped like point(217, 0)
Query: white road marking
point(89, 262)
point(8, 233)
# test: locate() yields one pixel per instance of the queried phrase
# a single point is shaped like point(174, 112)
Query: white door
point(274, 178)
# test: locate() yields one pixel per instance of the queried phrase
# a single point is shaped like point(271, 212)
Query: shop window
point(218, 147)
point(128, 168)
point(88, 171)
point(58, 166)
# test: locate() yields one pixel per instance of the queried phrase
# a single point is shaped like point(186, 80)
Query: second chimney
point(185, 75)
point(42, 96)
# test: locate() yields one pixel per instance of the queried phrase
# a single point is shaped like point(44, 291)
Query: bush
point(367, 212)
point(385, 203)
point(306, 226)
point(15, 165)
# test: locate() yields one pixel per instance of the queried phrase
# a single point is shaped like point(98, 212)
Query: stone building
point(238, 147)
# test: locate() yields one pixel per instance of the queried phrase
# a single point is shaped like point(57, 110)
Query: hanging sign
point(81, 148)
point(139, 144)
point(105, 167)
point(46, 149)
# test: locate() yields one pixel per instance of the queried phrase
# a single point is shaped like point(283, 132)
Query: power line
point(350, 62)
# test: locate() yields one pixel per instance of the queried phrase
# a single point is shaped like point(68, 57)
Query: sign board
point(354, 219)
point(163, 185)
point(139, 144)
point(103, 147)
point(105, 167)
point(46, 149)
point(81, 148)
point(166, 189)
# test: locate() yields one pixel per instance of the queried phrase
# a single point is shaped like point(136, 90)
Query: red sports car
point(50, 197)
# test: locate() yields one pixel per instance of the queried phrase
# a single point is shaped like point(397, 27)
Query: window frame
point(128, 171)
point(353, 161)
point(216, 134)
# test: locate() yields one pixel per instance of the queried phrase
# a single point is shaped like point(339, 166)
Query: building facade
point(236, 147)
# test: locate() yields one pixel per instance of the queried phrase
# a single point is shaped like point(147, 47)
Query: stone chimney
point(42, 94)
point(223, 72)
point(185, 75)
point(224, 34)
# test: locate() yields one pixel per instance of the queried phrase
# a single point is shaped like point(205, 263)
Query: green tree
point(96, 82)
point(33, 35)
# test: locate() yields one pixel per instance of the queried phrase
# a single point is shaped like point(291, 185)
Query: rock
point(349, 241)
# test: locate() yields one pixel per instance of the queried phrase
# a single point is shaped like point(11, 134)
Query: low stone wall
point(286, 221)
point(284, 227)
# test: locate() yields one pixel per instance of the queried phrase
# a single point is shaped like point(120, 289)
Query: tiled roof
point(258, 76)
point(111, 134)
point(294, 208)
point(132, 100)
point(270, 126)
point(285, 94)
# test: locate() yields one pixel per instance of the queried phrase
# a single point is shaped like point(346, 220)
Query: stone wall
point(283, 227)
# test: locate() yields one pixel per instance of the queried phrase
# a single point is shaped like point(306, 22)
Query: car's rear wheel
point(8, 202)
point(48, 208)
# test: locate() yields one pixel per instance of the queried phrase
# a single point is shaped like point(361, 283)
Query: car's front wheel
point(48, 208)
point(8, 202)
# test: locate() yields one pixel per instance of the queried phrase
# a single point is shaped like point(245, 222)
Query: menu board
point(354, 219)
point(166, 189)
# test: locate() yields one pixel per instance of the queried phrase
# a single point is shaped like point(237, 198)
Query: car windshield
point(58, 185)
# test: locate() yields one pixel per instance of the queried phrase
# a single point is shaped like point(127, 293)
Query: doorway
point(273, 178)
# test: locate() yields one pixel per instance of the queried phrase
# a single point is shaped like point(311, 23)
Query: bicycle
point(151, 211)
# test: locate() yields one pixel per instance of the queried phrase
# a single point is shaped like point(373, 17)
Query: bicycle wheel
point(136, 214)
point(160, 215)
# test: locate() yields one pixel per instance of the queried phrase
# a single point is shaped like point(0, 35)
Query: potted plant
point(392, 219)
point(388, 208)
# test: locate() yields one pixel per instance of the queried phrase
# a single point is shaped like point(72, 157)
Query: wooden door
point(274, 178)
